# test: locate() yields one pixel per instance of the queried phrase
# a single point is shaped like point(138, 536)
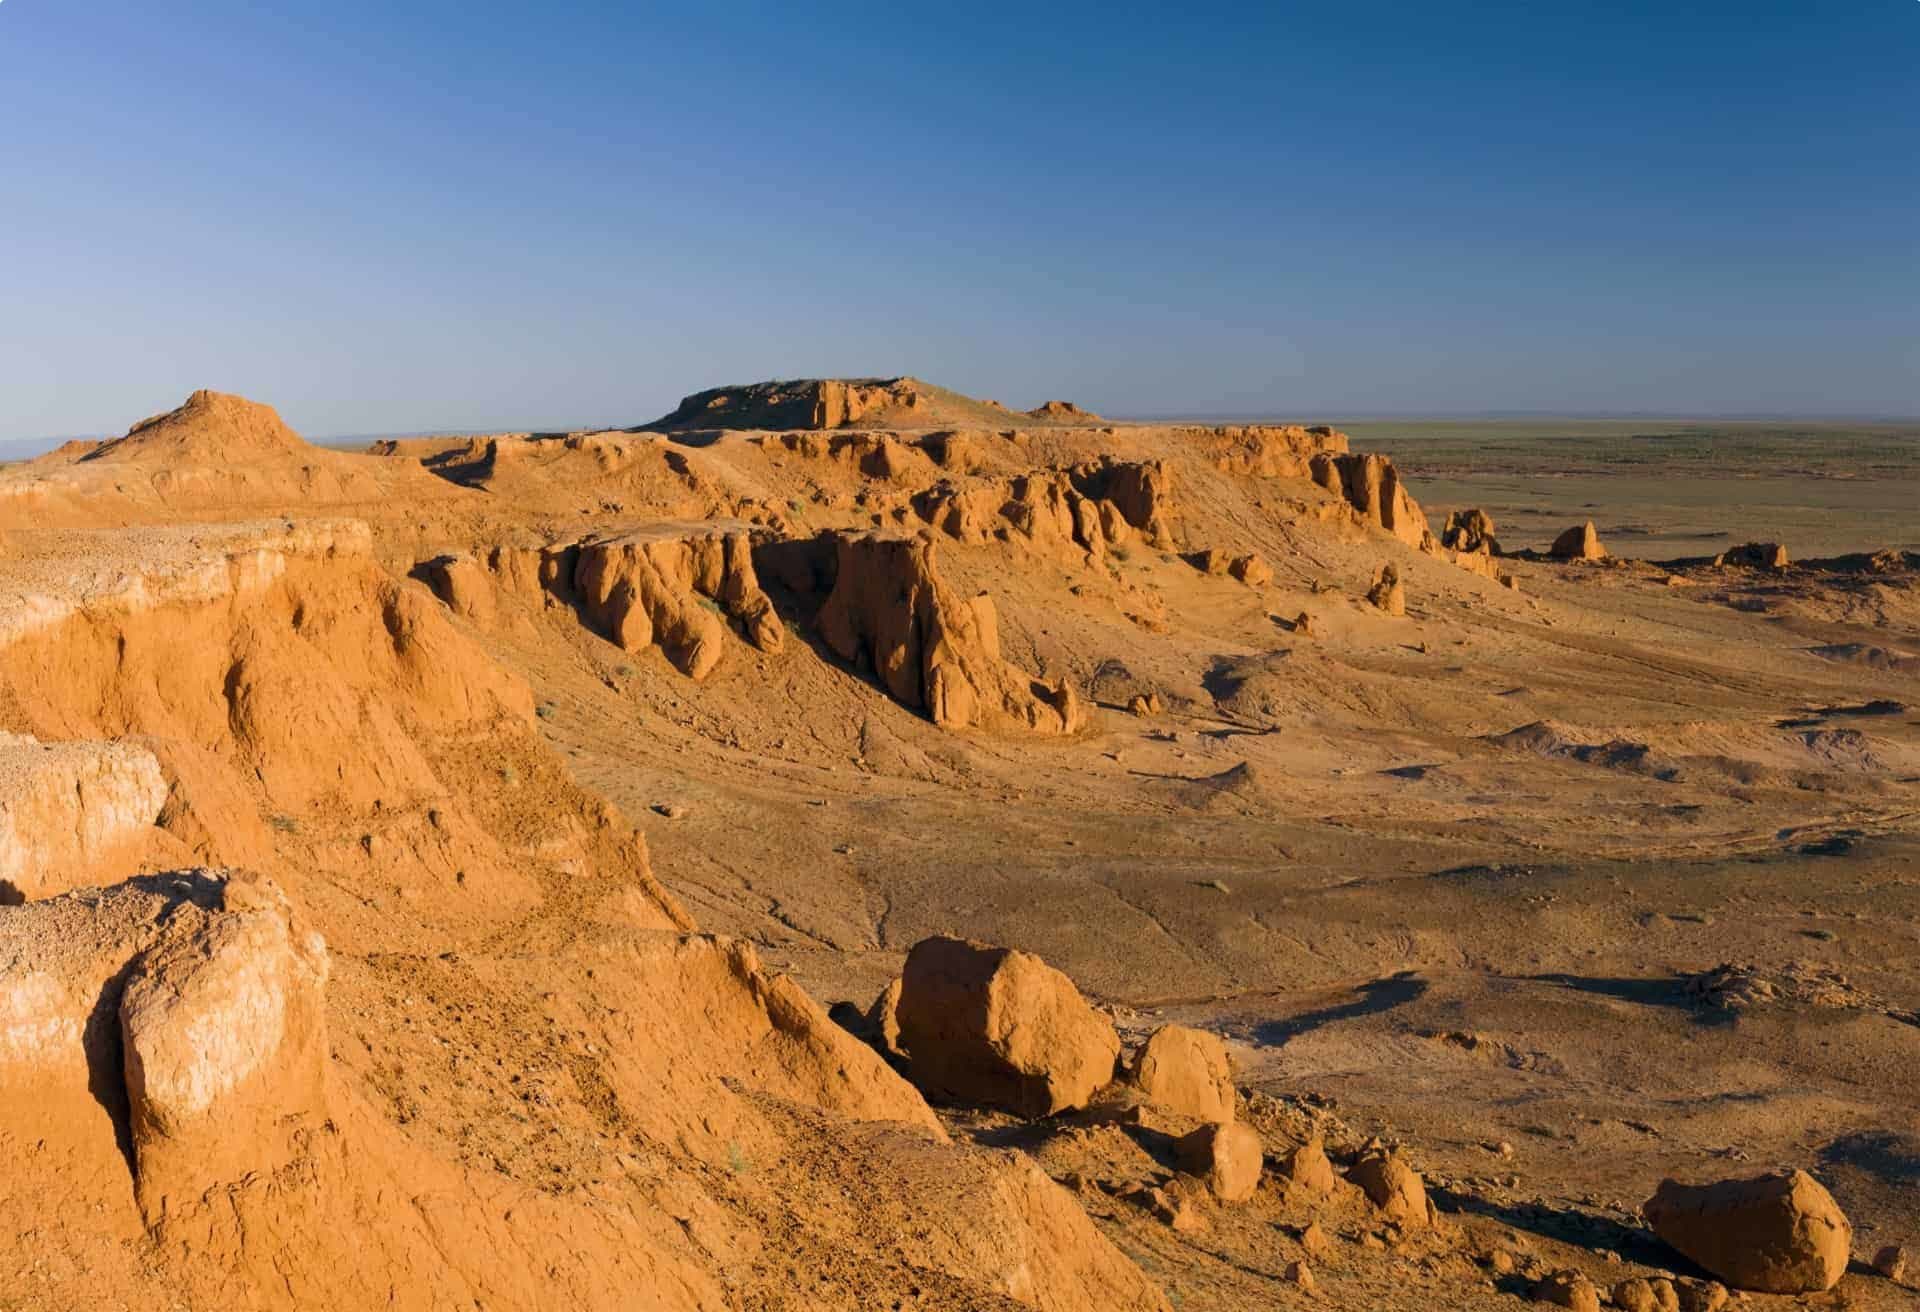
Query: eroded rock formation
point(1371, 486)
point(648, 588)
point(931, 649)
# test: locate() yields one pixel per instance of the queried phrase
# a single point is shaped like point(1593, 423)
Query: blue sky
point(389, 217)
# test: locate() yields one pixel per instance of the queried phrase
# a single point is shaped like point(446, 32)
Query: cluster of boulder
point(994, 1027)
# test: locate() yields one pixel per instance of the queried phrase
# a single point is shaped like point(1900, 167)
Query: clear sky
point(395, 215)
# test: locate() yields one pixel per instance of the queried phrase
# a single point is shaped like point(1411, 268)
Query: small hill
point(211, 426)
point(829, 403)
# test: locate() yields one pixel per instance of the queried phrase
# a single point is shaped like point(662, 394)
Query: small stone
point(1176, 1209)
point(1300, 1274)
point(1186, 1071)
point(1307, 1170)
point(1502, 1263)
point(1393, 1186)
point(1699, 1295)
point(1568, 1288)
point(1637, 1294)
point(1315, 1240)
point(1892, 1262)
point(671, 810)
point(1227, 1156)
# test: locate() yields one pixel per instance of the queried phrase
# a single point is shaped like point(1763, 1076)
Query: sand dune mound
point(211, 426)
point(218, 457)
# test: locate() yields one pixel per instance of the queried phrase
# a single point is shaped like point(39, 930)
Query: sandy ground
point(1566, 887)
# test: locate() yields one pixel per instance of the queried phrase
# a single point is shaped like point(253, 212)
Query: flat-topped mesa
point(1063, 410)
point(831, 403)
point(930, 648)
point(1269, 450)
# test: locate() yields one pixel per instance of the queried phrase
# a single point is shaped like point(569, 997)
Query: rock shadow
point(1372, 998)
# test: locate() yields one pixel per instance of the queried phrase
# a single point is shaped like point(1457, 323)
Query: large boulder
point(1780, 1233)
point(1392, 1186)
point(1306, 1172)
point(1581, 542)
point(1757, 555)
point(1227, 1155)
point(997, 1027)
point(1186, 1071)
point(1567, 1288)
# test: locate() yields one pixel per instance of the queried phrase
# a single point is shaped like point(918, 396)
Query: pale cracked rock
point(1775, 1234)
point(66, 808)
point(1186, 1071)
point(1227, 1156)
point(223, 1028)
point(1000, 1028)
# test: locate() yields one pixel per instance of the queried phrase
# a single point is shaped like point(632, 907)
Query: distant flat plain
point(1661, 489)
point(1654, 488)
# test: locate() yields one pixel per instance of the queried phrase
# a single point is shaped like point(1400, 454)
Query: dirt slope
point(1607, 862)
